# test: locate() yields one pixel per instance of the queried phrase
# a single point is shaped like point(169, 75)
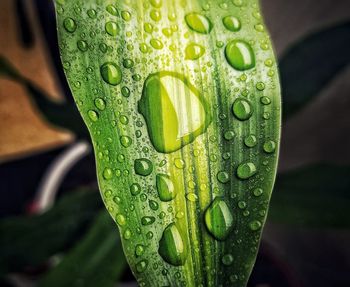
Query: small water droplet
point(153, 205)
point(135, 189)
point(156, 44)
point(155, 15)
point(198, 23)
point(260, 86)
point(70, 25)
point(92, 13)
point(250, 141)
point(100, 104)
point(191, 196)
point(82, 45)
point(156, 3)
point(147, 220)
point(139, 250)
point(269, 146)
point(258, 192)
point(107, 173)
point(125, 141)
point(265, 100)
point(194, 51)
point(126, 15)
point(143, 166)
point(227, 259)
point(255, 225)
point(112, 10)
point(229, 135)
point(93, 115)
point(223, 177)
point(120, 219)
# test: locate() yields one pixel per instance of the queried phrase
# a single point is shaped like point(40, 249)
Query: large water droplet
point(240, 55)
point(246, 170)
point(194, 51)
point(219, 219)
point(199, 23)
point(111, 73)
point(172, 247)
point(242, 109)
point(165, 187)
point(182, 113)
point(231, 23)
point(143, 166)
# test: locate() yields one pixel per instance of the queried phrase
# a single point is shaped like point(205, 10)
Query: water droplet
point(111, 28)
point(165, 187)
point(227, 259)
point(153, 205)
point(148, 27)
point(139, 250)
point(124, 119)
point(246, 170)
point(120, 219)
point(242, 204)
point(172, 247)
point(92, 13)
point(93, 115)
point(143, 166)
point(250, 141)
point(135, 189)
point(255, 225)
point(126, 15)
point(141, 266)
point(156, 44)
point(269, 146)
point(171, 126)
point(125, 141)
point(128, 63)
point(127, 234)
point(237, 3)
point(223, 177)
point(191, 196)
point(147, 220)
point(107, 173)
point(265, 100)
point(112, 10)
point(167, 32)
point(82, 45)
point(231, 23)
point(229, 135)
point(70, 25)
point(194, 51)
point(155, 15)
point(111, 73)
point(156, 3)
point(100, 104)
point(179, 163)
point(258, 192)
point(240, 55)
point(218, 219)
point(260, 86)
point(125, 92)
point(242, 109)
point(198, 23)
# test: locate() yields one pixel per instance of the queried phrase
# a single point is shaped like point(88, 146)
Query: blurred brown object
point(22, 129)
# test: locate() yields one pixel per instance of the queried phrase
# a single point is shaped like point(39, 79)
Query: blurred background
point(54, 230)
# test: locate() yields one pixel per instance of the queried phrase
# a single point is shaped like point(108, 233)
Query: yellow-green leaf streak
point(183, 109)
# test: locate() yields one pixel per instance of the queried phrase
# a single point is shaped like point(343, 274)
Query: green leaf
point(29, 241)
point(186, 138)
point(311, 64)
point(96, 260)
point(61, 114)
point(315, 196)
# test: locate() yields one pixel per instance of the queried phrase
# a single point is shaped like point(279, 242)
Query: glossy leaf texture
point(183, 108)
